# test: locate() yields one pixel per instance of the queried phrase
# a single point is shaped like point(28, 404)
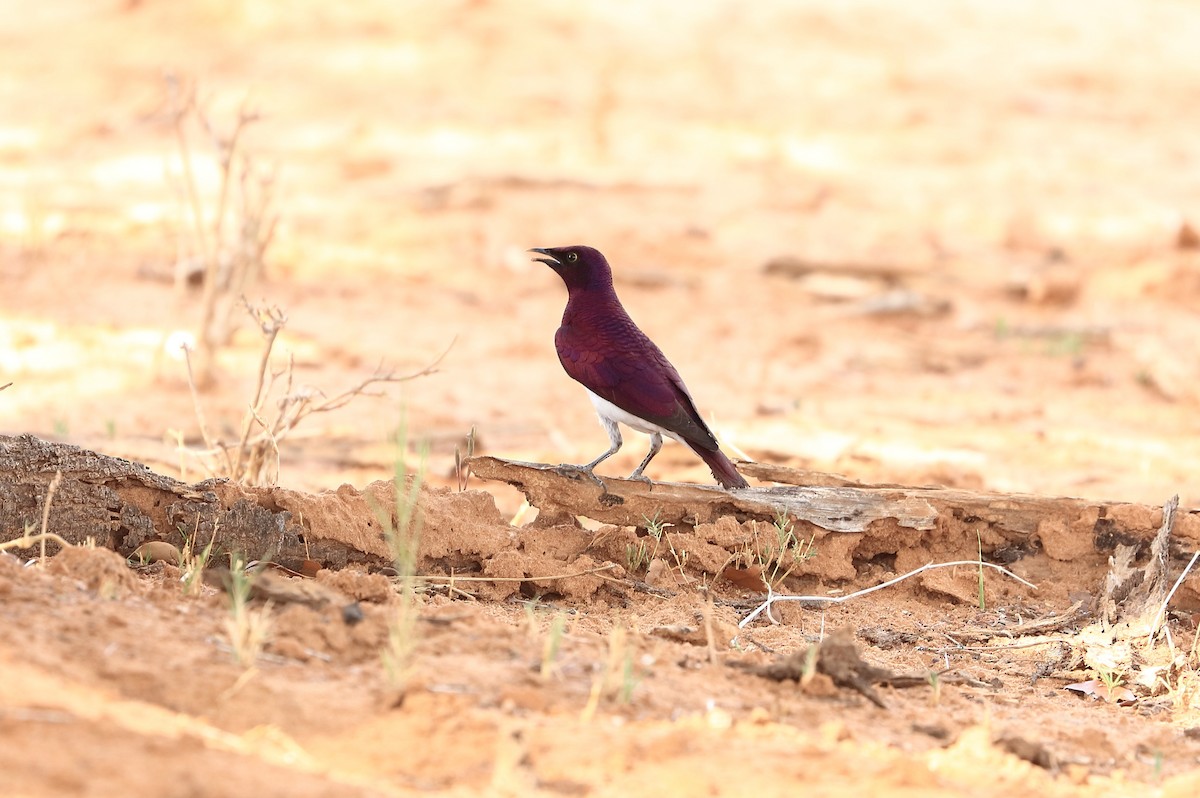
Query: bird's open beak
point(550, 261)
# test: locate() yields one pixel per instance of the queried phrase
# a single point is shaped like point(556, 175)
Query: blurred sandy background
point(985, 204)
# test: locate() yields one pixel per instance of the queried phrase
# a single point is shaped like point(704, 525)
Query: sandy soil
point(989, 211)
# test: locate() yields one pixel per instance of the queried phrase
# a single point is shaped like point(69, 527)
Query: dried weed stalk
point(402, 530)
point(29, 538)
point(1121, 647)
point(617, 677)
point(254, 458)
point(248, 629)
point(229, 241)
point(462, 463)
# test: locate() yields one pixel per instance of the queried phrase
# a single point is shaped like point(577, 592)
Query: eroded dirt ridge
point(706, 559)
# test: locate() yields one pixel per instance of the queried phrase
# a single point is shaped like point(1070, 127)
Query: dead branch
point(1134, 595)
point(270, 321)
point(229, 260)
point(26, 541)
point(198, 409)
point(848, 524)
point(1018, 519)
point(837, 657)
point(1158, 618)
point(246, 460)
point(1052, 623)
point(1120, 643)
point(182, 101)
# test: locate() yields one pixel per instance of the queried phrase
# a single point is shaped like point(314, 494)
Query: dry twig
point(25, 541)
point(54, 483)
point(1052, 623)
point(229, 261)
point(773, 597)
point(248, 458)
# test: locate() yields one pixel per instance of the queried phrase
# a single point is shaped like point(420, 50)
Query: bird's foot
point(638, 476)
point(576, 471)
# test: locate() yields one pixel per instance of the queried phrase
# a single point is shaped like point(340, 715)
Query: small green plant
point(191, 563)
point(531, 621)
point(808, 670)
point(935, 682)
point(656, 528)
point(1111, 679)
point(552, 644)
point(618, 677)
point(248, 629)
point(1069, 343)
point(780, 556)
point(637, 556)
point(402, 530)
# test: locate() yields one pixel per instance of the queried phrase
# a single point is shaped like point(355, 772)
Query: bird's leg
point(656, 442)
point(614, 440)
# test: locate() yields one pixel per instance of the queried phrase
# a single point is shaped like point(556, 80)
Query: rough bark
point(1066, 527)
point(121, 504)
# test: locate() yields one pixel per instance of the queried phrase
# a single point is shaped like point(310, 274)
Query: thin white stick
point(1163, 609)
point(773, 597)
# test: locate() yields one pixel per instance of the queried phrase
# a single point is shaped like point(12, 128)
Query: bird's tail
point(722, 468)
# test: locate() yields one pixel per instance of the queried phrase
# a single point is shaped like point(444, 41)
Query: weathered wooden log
point(1066, 528)
point(120, 504)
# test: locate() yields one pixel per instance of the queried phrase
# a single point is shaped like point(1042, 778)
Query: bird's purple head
point(581, 268)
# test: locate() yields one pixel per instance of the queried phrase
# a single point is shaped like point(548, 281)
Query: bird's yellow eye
point(572, 257)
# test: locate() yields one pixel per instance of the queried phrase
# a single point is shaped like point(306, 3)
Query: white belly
point(610, 412)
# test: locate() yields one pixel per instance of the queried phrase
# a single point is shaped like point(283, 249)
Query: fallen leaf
point(656, 572)
point(1097, 689)
point(746, 578)
point(156, 551)
point(1087, 688)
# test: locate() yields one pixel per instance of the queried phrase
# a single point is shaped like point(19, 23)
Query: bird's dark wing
point(619, 363)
